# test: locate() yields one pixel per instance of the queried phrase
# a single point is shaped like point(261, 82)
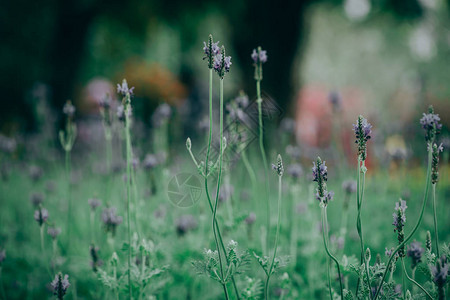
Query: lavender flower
point(41, 215)
point(362, 130)
point(150, 161)
point(53, 232)
point(320, 174)
point(399, 223)
point(111, 220)
point(35, 173)
point(439, 274)
point(60, 285)
point(430, 123)
point(96, 261)
point(210, 50)
point(349, 186)
point(121, 112)
point(94, 203)
point(69, 109)
point(293, 151)
point(428, 241)
point(36, 199)
point(279, 166)
point(295, 171)
point(124, 90)
point(435, 162)
point(185, 223)
point(259, 56)
point(415, 251)
point(251, 218)
point(222, 63)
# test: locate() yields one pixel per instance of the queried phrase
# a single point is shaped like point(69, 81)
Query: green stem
point(276, 238)
point(329, 278)
point(425, 198)
point(263, 155)
point(413, 281)
point(43, 250)
point(433, 195)
point(218, 186)
point(250, 171)
point(325, 238)
point(128, 154)
point(69, 197)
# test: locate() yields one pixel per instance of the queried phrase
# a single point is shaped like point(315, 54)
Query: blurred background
point(385, 59)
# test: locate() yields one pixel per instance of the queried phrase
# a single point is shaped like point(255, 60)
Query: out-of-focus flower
point(259, 56)
point(150, 161)
point(35, 173)
point(94, 203)
point(349, 186)
point(185, 223)
point(295, 171)
point(96, 261)
point(41, 215)
point(36, 199)
point(123, 88)
point(7, 145)
point(430, 123)
point(161, 114)
point(415, 251)
point(69, 109)
point(53, 232)
point(251, 218)
point(111, 220)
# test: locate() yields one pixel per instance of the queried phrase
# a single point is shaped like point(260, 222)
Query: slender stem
point(263, 155)
point(43, 250)
point(250, 171)
point(276, 238)
point(69, 197)
point(128, 154)
point(413, 281)
point(433, 195)
point(325, 238)
point(329, 278)
point(358, 220)
point(425, 198)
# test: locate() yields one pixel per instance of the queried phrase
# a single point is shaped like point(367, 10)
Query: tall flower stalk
point(320, 175)
point(279, 168)
point(434, 179)
point(430, 123)
point(259, 57)
point(67, 139)
point(362, 130)
point(127, 112)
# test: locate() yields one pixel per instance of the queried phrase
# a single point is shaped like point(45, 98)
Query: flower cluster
point(54, 232)
point(210, 49)
point(399, 222)
point(69, 109)
point(236, 108)
point(362, 130)
point(222, 63)
point(320, 175)
point(415, 251)
point(440, 271)
point(96, 261)
point(435, 162)
point(161, 114)
point(349, 186)
point(185, 223)
point(279, 166)
point(295, 171)
point(111, 219)
point(60, 285)
point(94, 203)
point(430, 123)
point(259, 57)
point(41, 215)
point(124, 90)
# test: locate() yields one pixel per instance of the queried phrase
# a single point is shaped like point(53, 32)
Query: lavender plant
point(60, 285)
point(67, 140)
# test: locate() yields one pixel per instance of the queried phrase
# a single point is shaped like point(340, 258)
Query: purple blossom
point(214, 47)
point(36, 199)
point(94, 203)
point(349, 186)
point(428, 121)
point(69, 109)
point(35, 173)
point(53, 232)
point(217, 62)
point(185, 223)
point(295, 171)
point(121, 112)
point(41, 216)
point(415, 251)
point(362, 130)
point(60, 285)
point(227, 63)
point(259, 56)
point(150, 161)
point(440, 271)
point(322, 172)
point(251, 218)
point(123, 89)
point(110, 219)
point(399, 215)
point(96, 261)
point(161, 114)
point(388, 252)
point(222, 64)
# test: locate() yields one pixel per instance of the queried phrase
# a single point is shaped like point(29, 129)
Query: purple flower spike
point(362, 130)
point(124, 90)
point(415, 251)
point(60, 285)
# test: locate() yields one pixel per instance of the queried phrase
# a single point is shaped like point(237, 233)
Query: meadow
point(224, 214)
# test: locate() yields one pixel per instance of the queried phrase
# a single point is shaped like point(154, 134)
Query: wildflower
point(69, 109)
point(210, 50)
point(35, 173)
point(222, 63)
point(415, 251)
point(124, 90)
point(161, 114)
point(399, 223)
point(53, 232)
point(94, 203)
point(121, 112)
point(295, 171)
point(150, 161)
point(320, 176)
point(428, 241)
point(362, 130)
point(41, 215)
point(251, 218)
point(439, 272)
point(279, 166)
point(36, 199)
point(259, 56)
point(96, 261)
point(185, 223)
point(111, 220)
point(349, 186)
point(430, 123)
point(60, 285)
point(435, 162)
